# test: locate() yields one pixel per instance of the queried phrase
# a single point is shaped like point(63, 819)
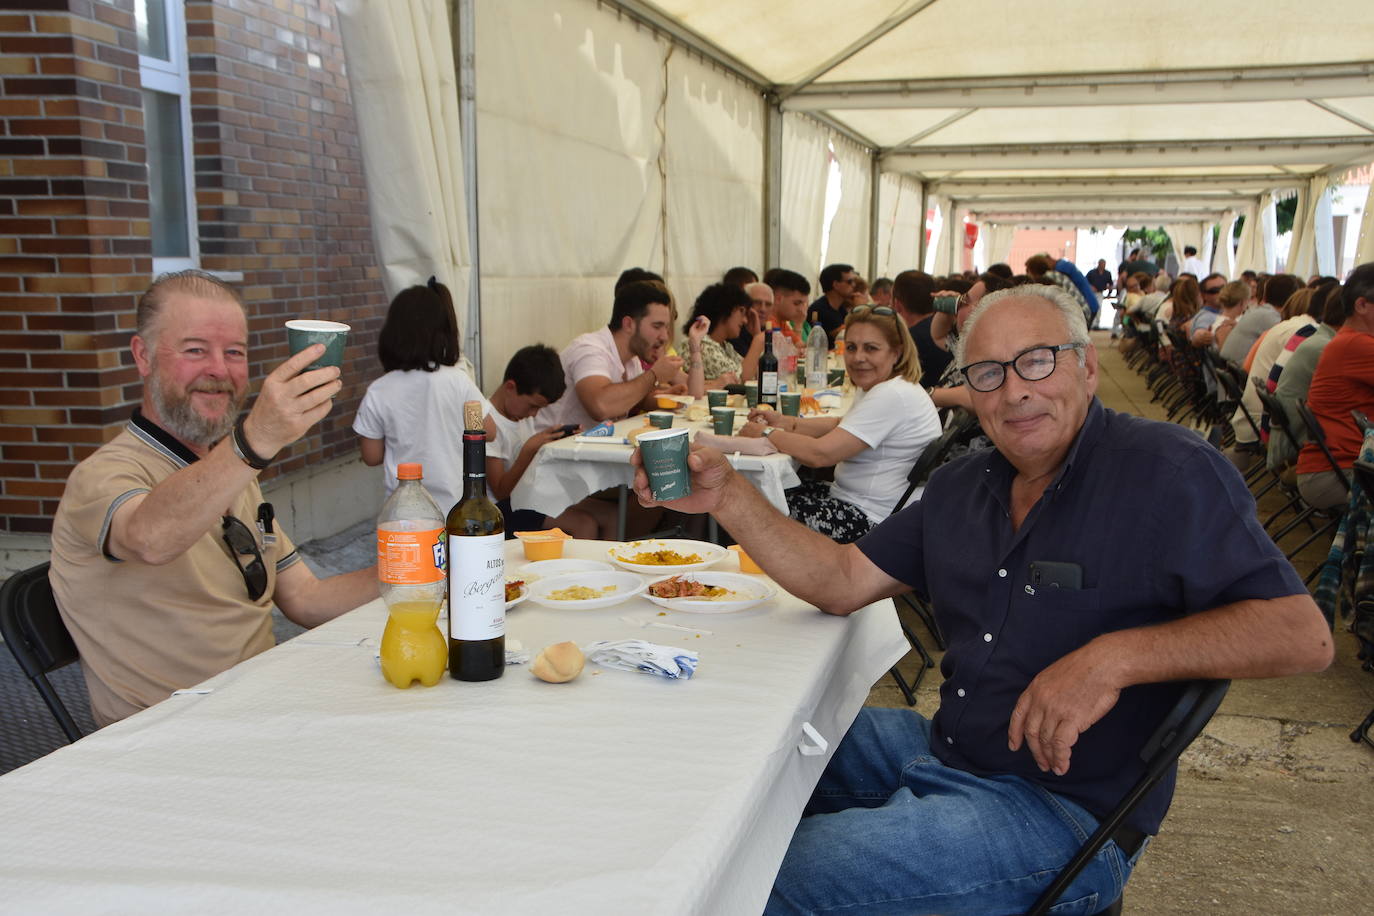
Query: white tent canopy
point(688, 136)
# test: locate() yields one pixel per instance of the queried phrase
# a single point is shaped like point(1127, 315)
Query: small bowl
point(543, 545)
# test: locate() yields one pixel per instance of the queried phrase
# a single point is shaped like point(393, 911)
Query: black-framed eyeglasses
point(1032, 364)
point(241, 543)
point(1212, 290)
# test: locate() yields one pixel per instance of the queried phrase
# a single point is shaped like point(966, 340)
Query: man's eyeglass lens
point(1212, 290)
point(241, 542)
point(1032, 365)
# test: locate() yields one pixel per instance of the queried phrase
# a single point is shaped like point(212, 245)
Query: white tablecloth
point(569, 470)
point(301, 782)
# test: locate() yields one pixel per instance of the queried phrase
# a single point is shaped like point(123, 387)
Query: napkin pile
point(639, 655)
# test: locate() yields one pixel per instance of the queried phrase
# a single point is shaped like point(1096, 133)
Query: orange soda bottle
point(412, 563)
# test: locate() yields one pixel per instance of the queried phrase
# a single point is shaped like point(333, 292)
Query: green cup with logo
point(664, 453)
point(302, 332)
point(791, 403)
point(751, 393)
point(661, 419)
point(716, 397)
point(723, 421)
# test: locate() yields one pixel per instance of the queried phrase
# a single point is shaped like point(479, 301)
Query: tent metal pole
point(465, 44)
point(921, 230)
point(772, 184)
point(875, 179)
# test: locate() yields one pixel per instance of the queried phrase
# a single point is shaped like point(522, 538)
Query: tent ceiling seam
point(886, 26)
point(1345, 116)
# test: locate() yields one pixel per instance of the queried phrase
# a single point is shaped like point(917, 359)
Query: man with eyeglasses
point(1202, 330)
point(1076, 569)
point(166, 560)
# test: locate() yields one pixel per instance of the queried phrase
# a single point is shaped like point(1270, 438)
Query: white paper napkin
point(640, 655)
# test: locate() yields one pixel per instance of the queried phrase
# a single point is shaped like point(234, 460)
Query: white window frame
point(173, 77)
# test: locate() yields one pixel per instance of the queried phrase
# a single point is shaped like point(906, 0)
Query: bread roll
point(558, 663)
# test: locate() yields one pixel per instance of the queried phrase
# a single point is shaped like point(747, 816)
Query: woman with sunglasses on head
point(415, 411)
point(874, 445)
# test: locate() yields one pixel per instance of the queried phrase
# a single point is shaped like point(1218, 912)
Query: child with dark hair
point(533, 380)
point(415, 411)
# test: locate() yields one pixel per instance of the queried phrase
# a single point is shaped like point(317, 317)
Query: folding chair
point(1184, 723)
point(1278, 420)
point(37, 637)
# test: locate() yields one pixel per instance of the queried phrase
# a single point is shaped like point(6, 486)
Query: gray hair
point(1069, 309)
point(191, 282)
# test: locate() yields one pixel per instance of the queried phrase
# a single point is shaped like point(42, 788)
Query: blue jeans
point(892, 830)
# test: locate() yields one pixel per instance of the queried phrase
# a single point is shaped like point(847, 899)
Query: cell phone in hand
point(566, 430)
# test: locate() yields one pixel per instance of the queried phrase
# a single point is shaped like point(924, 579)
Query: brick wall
point(279, 193)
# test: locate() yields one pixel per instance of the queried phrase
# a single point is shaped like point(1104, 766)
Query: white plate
point(627, 586)
point(539, 569)
point(710, 554)
point(751, 591)
point(524, 593)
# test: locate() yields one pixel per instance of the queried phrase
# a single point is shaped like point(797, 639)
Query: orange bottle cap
point(410, 470)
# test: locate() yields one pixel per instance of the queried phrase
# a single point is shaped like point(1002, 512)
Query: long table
point(300, 781)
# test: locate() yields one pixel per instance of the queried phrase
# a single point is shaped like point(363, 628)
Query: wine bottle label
point(411, 557)
point(768, 383)
point(477, 587)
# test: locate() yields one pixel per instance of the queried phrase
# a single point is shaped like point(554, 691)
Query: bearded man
point(602, 369)
point(165, 558)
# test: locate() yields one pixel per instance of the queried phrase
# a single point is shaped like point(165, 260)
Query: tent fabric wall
point(1364, 249)
point(999, 238)
point(714, 173)
point(400, 69)
point(805, 169)
point(849, 230)
point(937, 252)
point(1302, 250)
point(571, 192)
point(1251, 252)
point(900, 223)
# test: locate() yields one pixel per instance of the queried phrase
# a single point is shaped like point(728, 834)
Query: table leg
point(623, 499)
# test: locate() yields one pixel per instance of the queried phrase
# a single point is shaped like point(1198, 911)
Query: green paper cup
point(834, 377)
point(751, 393)
point(664, 452)
point(661, 419)
point(791, 403)
point(302, 332)
point(716, 397)
point(723, 421)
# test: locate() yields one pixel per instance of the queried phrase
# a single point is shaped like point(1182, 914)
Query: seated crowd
point(1049, 685)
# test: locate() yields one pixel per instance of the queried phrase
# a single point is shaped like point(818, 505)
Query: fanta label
point(411, 557)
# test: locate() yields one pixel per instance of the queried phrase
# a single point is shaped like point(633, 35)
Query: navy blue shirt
point(828, 317)
point(1160, 524)
point(935, 359)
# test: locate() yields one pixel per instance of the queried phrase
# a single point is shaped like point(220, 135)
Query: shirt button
point(987, 637)
point(1001, 573)
point(961, 691)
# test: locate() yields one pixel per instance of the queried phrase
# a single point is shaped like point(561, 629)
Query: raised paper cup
point(664, 453)
point(302, 332)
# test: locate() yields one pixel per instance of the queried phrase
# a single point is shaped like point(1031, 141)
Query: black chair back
point(1318, 435)
point(963, 429)
point(1183, 723)
point(1278, 417)
point(37, 637)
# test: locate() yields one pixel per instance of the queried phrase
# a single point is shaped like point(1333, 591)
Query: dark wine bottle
point(477, 566)
point(768, 373)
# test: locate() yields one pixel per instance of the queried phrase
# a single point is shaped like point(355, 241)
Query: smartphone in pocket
point(1054, 574)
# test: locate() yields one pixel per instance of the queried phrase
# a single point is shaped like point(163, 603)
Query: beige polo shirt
point(144, 631)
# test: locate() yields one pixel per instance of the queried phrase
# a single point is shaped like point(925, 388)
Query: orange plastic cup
point(746, 562)
point(543, 545)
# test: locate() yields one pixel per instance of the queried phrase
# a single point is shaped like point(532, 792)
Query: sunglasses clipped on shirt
point(241, 543)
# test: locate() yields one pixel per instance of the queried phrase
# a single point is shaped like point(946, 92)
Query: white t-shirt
point(896, 420)
point(591, 354)
point(511, 436)
point(419, 415)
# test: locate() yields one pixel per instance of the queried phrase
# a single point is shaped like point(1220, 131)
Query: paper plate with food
point(660, 557)
point(533, 572)
point(583, 591)
point(517, 590)
point(710, 592)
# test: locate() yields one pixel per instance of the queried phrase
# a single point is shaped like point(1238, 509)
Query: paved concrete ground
point(1274, 803)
